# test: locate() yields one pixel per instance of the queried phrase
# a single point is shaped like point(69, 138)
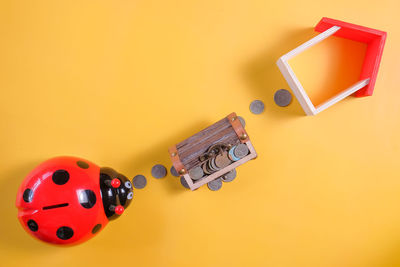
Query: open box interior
point(374, 41)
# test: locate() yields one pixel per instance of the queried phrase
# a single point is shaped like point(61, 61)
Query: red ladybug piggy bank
point(67, 200)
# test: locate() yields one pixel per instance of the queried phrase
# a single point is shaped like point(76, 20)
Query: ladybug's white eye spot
point(130, 195)
point(128, 184)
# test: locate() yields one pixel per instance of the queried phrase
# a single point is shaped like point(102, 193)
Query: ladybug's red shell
point(60, 201)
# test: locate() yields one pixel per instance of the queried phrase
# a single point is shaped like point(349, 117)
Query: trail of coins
point(218, 157)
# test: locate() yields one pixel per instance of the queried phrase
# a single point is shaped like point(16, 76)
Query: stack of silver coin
point(238, 152)
point(215, 164)
point(219, 162)
point(220, 156)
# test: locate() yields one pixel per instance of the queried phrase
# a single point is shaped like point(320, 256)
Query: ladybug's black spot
point(28, 195)
point(32, 225)
point(82, 164)
point(60, 177)
point(87, 198)
point(96, 228)
point(64, 232)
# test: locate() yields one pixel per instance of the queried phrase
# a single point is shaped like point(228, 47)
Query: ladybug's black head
point(116, 192)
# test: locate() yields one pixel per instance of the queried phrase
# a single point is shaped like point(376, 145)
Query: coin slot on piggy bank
point(211, 156)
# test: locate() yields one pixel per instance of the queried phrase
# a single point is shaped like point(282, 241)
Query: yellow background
point(118, 82)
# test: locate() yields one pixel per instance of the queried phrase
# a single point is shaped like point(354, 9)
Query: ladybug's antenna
point(115, 183)
point(119, 209)
point(115, 192)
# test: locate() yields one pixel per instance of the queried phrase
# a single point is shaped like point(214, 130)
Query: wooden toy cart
point(186, 155)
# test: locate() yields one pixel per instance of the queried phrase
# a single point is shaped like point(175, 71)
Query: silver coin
point(257, 107)
point(230, 176)
point(213, 165)
point(174, 172)
point(205, 169)
point(215, 184)
point(139, 181)
point(282, 97)
point(241, 151)
point(158, 171)
point(184, 183)
point(242, 121)
point(208, 165)
point(196, 173)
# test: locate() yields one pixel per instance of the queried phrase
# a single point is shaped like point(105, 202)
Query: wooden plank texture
point(190, 149)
